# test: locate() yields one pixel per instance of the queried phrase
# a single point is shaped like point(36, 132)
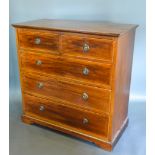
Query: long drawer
point(60, 114)
point(85, 97)
point(86, 71)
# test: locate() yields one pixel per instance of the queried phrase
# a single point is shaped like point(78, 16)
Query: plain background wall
point(121, 11)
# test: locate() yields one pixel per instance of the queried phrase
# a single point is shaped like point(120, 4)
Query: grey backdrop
point(123, 11)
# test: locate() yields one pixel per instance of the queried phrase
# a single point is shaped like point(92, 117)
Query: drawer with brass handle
point(40, 85)
point(73, 94)
point(93, 73)
point(85, 121)
point(41, 108)
point(88, 47)
point(85, 71)
point(39, 40)
point(55, 112)
point(85, 96)
point(38, 62)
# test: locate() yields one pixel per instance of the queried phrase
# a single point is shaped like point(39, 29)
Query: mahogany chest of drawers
point(75, 76)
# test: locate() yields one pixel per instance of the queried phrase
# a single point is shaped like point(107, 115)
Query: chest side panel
point(121, 86)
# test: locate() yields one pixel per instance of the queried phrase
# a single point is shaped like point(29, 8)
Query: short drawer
point(89, 72)
point(73, 94)
point(39, 40)
point(61, 114)
point(88, 47)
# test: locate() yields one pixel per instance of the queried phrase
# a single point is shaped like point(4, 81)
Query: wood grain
point(100, 49)
point(121, 86)
point(91, 27)
point(62, 114)
point(49, 41)
point(68, 92)
point(57, 62)
point(96, 139)
point(99, 74)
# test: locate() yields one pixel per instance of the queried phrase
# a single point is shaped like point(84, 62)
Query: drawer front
point(85, 97)
point(39, 40)
point(86, 47)
point(54, 112)
point(86, 71)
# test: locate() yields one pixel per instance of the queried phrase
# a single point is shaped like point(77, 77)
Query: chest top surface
point(92, 27)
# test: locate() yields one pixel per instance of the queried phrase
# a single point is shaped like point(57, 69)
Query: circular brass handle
point(38, 62)
point(85, 71)
point(41, 108)
point(37, 41)
point(40, 85)
point(85, 96)
point(86, 47)
point(85, 121)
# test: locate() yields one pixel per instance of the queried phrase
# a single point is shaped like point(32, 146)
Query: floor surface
point(35, 140)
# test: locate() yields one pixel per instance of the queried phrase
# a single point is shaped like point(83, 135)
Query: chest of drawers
point(75, 77)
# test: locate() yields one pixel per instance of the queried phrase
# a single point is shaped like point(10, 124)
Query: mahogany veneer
point(75, 76)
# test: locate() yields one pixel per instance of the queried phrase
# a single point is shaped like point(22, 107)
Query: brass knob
point(85, 96)
point(37, 41)
point(85, 71)
point(86, 47)
point(41, 108)
point(40, 85)
point(38, 62)
point(85, 121)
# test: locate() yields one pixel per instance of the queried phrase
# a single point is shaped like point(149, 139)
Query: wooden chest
point(75, 76)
